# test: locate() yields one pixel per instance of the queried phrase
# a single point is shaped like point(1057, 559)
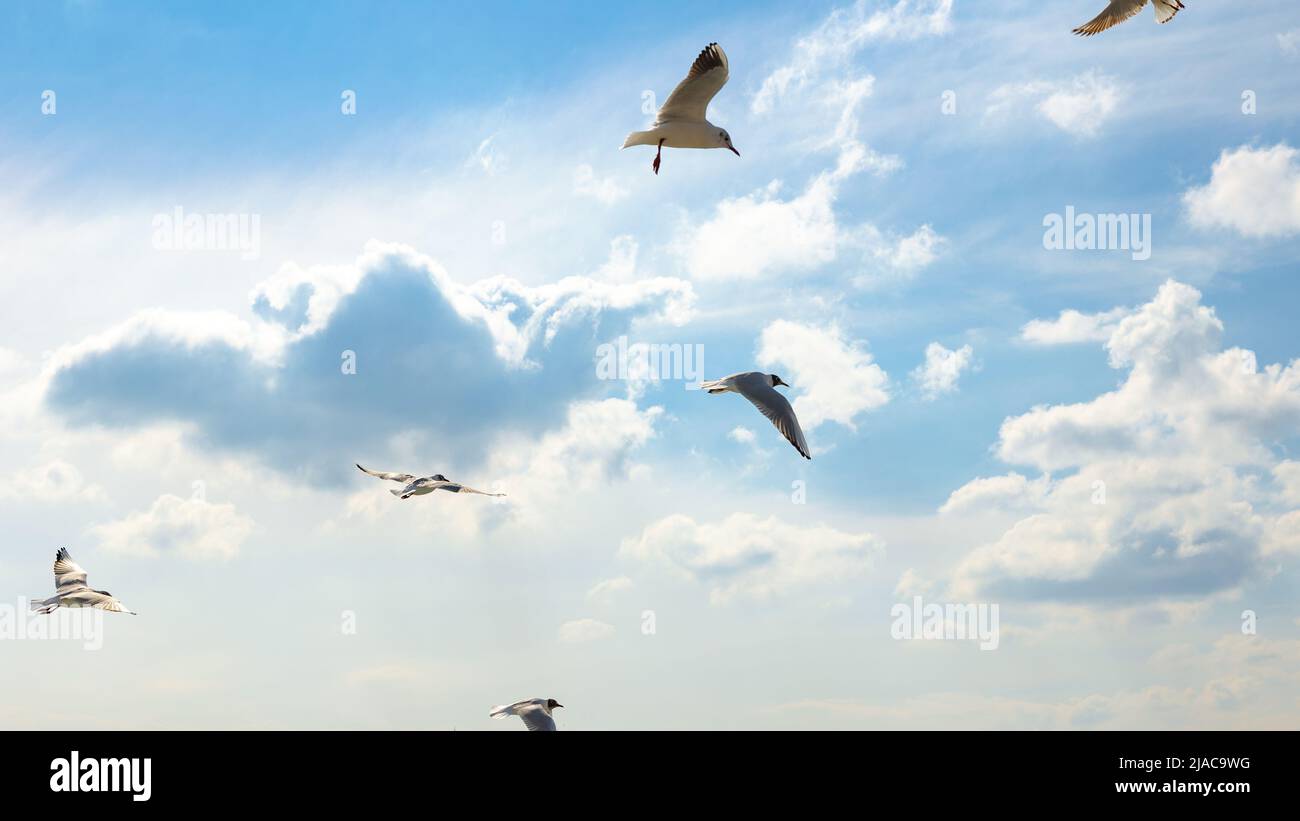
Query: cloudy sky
point(1100, 441)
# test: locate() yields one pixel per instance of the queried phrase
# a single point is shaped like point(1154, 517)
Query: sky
point(1090, 442)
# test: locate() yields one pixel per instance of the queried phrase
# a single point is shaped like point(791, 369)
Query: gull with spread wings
point(70, 589)
point(536, 712)
point(420, 485)
point(681, 122)
point(1117, 11)
point(760, 388)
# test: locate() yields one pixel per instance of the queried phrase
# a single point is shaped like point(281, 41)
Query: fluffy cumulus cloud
point(192, 528)
point(761, 234)
point(1170, 485)
point(55, 481)
point(942, 367)
point(1072, 327)
point(1080, 106)
point(748, 557)
point(339, 362)
point(1253, 191)
point(836, 378)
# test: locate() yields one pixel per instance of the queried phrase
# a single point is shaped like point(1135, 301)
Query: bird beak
point(558, 706)
point(780, 381)
point(733, 150)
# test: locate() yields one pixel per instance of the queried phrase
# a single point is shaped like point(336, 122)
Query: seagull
point(1120, 10)
point(760, 388)
point(681, 122)
point(418, 486)
point(536, 712)
point(70, 589)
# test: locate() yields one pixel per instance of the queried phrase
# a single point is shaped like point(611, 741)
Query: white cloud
point(836, 378)
point(1079, 106)
point(1253, 191)
point(1161, 495)
point(1289, 41)
point(487, 157)
point(1072, 327)
point(55, 481)
point(587, 184)
point(743, 435)
point(584, 630)
point(744, 556)
point(844, 33)
point(193, 528)
point(760, 234)
point(605, 589)
point(912, 584)
point(941, 370)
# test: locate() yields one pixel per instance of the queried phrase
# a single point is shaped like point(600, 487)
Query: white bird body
point(1117, 11)
point(760, 389)
point(678, 134)
point(535, 712)
point(71, 589)
point(420, 485)
point(681, 122)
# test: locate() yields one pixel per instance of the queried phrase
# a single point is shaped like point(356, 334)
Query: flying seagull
point(418, 486)
point(681, 122)
point(1117, 11)
point(536, 712)
point(760, 388)
point(70, 589)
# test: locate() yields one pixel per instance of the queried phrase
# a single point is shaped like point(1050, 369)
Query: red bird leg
point(658, 152)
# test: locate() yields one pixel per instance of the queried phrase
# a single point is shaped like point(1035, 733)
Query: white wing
point(690, 100)
point(757, 388)
point(1115, 13)
point(459, 488)
point(527, 710)
point(1166, 9)
point(536, 719)
point(404, 478)
point(68, 575)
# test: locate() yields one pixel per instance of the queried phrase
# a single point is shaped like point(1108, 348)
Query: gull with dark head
point(70, 589)
point(420, 485)
point(1117, 11)
point(681, 122)
point(535, 712)
point(760, 388)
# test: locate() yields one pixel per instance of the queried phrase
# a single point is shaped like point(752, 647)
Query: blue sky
point(179, 418)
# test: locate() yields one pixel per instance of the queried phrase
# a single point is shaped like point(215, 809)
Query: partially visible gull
point(536, 712)
point(70, 589)
point(681, 122)
point(1117, 11)
point(760, 388)
point(418, 486)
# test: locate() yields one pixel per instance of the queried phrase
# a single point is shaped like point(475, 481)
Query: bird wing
point(503, 710)
point(690, 100)
point(404, 478)
point(68, 575)
point(103, 601)
point(1166, 9)
point(536, 719)
point(459, 488)
point(1116, 12)
point(776, 408)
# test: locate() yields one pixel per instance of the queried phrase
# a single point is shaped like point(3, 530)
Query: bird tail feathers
point(501, 711)
point(397, 492)
point(640, 138)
